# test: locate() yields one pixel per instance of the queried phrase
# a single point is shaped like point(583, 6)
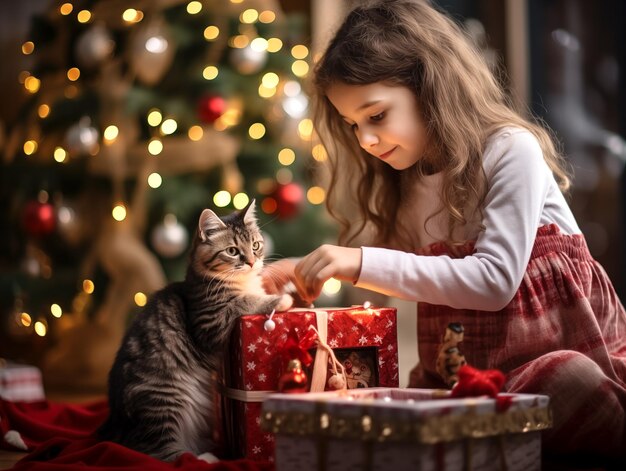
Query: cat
point(163, 380)
point(358, 371)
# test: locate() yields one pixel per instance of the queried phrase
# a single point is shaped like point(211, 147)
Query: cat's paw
point(285, 303)
point(208, 457)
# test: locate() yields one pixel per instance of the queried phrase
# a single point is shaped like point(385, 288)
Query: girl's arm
point(519, 180)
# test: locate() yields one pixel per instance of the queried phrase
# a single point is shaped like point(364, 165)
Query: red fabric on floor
point(61, 437)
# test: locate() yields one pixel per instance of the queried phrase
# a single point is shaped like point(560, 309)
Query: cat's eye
point(256, 245)
point(232, 251)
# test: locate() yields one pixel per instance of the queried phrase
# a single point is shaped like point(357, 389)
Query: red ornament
point(289, 199)
point(210, 108)
point(294, 380)
point(38, 219)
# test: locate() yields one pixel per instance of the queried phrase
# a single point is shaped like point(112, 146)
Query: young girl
point(459, 199)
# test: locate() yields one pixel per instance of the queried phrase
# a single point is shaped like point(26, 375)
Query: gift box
point(406, 429)
point(20, 383)
point(364, 341)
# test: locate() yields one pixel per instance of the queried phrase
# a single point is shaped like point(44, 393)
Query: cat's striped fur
point(162, 383)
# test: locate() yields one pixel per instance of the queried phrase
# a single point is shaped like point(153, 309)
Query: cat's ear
point(209, 221)
point(249, 213)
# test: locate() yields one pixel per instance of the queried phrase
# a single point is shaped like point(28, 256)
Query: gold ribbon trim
point(430, 430)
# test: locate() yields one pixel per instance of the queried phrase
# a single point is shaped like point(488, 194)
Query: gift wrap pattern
point(256, 364)
point(406, 429)
point(21, 383)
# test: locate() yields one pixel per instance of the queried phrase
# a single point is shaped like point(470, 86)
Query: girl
point(459, 199)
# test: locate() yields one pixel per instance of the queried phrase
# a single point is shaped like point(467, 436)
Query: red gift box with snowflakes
point(363, 339)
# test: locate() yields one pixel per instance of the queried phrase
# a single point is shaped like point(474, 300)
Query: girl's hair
point(409, 43)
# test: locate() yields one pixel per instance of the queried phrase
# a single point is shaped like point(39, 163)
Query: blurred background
point(121, 120)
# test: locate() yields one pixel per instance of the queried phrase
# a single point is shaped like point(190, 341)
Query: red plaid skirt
point(563, 335)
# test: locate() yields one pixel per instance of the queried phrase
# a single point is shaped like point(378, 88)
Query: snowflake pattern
point(251, 348)
point(363, 340)
point(381, 362)
point(248, 387)
point(355, 328)
point(378, 339)
point(262, 378)
point(333, 343)
point(256, 450)
point(269, 438)
point(251, 366)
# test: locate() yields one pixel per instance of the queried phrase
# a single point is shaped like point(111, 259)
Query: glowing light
point(267, 16)
point(319, 153)
point(88, 286)
point(249, 16)
point(155, 146)
point(60, 154)
point(111, 132)
point(367, 305)
point(25, 319)
point(256, 131)
point(30, 147)
point(292, 88)
point(119, 212)
point(32, 84)
point(28, 47)
point(305, 129)
point(274, 44)
point(300, 68)
point(154, 118)
point(140, 299)
point(71, 91)
point(315, 195)
point(259, 44)
point(222, 198)
point(331, 287)
point(131, 15)
point(269, 205)
point(73, 74)
point(169, 126)
point(84, 16)
point(43, 111)
point(155, 180)
point(240, 200)
point(286, 156)
point(270, 80)
point(195, 133)
point(41, 329)
point(236, 1)
point(210, 72)
point(193, 8)
point(265, 92)
point(156, 44)
point(239, 41)
point(299, 51)
point(211, 33)
point(56, 310)
point(66, 9)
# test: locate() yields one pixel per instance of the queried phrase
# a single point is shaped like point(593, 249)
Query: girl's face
point(385, 119)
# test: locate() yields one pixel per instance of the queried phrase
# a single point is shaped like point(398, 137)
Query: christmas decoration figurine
point(294, 380)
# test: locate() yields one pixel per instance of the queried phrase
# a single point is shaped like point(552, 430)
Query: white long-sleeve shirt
point(522, 196)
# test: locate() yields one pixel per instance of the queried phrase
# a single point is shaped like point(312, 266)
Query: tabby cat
point(162, 382)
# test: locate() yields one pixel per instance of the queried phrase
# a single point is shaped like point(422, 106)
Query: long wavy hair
point(409, 43)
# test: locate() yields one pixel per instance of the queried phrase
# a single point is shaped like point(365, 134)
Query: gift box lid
point(416, 415)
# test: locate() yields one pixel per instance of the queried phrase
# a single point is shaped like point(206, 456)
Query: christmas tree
point(137, 119)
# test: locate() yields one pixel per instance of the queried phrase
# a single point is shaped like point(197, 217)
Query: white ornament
point(170, 237)
point(94, 46)
point(82, 138)
point(248, 60)
point(152, 52)
point(269, 325)
point(13, 437)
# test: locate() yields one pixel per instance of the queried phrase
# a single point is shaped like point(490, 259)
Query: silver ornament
point(151, 51)
point(82, 138)
point(169, 238)
point(248, 60)
point(269, 325)
point(94, 46)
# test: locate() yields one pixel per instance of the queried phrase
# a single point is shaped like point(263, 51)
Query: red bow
point(298, 348)
point(473, 382)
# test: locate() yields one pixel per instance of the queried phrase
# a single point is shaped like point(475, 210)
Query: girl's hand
point(278, 275)
point(328, 261)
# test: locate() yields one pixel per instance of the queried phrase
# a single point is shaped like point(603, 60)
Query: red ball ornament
point(38, 219)
point(289, 199)
point(210, 108)
point(294, 380)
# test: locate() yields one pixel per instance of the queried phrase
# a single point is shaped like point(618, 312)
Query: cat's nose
point(249, 261)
